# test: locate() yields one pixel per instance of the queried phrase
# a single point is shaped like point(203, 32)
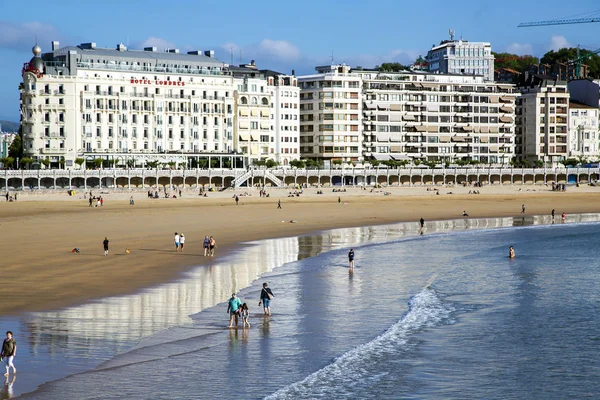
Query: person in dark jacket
point(265, 298)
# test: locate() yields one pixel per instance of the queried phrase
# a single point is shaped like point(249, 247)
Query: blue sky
point(282, 35)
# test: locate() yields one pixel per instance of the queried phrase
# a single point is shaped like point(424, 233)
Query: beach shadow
point(172, 251)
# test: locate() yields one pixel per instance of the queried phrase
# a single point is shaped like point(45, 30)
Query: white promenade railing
point(283, 177)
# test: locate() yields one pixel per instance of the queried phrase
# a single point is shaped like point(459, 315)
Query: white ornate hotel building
point(129, 107)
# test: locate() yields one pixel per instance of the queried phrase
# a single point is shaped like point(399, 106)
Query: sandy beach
point(39, 231)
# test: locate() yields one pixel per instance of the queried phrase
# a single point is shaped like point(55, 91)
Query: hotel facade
point(365, 115)
point(131, 107)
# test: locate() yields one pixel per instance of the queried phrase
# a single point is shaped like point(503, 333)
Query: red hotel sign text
point(156, 82)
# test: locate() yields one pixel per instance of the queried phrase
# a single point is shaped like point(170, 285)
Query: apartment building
point(267, 114)
point(462, 57)
point(432, 117)
point(542, 120)
point(330, 114)
point(583, 131)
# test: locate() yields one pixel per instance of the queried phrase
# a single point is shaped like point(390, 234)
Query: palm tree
point(79, 161)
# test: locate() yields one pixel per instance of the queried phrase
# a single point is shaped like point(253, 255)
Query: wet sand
point(38, 232)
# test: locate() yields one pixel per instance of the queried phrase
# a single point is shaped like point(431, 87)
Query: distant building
point(583, 131)
point(6, 140)
point(585, 91)
point(462, 57)
point(542, 120)
point(506, 75)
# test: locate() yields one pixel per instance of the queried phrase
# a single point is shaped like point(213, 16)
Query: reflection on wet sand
point(99, 330)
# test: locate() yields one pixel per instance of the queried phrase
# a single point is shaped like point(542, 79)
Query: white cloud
point(22, 37)
point(558, 42)
point(268, 50)
point(406, 57)
point(157, 42)
point(520, 49)
point(281, 49)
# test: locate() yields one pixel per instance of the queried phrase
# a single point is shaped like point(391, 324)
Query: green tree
point(391, 67)
point(337, 162)
point(566, 55)
point(131, 163)
point(79, 161)
point(270, 163)
point(202, 163)
point(514, 62)
point(171, 164)
point(26, 161)
point(152, 164)
point(15, 150)
point(45, 162)
point(97, 162)
point(214, 163)
point(298, 164)
point(62, 162)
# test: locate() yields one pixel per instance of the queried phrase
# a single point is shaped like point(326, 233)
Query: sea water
point(424, 316)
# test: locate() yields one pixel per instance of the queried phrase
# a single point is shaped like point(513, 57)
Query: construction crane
point(559, 22)
point(580, 58)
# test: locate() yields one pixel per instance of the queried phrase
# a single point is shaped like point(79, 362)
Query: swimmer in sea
point(511, 252)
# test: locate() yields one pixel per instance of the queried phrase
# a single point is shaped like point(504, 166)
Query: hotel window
point(47, 117)
point(171, 135)
point(110, 132)
point(182, 134)
point(47, 131)
point(98, 132)
point(61, 131)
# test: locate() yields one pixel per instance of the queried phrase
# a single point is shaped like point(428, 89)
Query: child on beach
point(181, 242)
point(206, 244)
point(245, 315)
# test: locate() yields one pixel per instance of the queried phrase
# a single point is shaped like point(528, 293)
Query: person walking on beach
point(523, 209)
point(6, 196)
point(105, 244)
point(233, 309)
point(339, 200)
point(9, 352)
point(465, 214)
point(212, 243)
point(278, 204)
point(553, 213)
point(237, 200)
point(176, 240)
point(181, 242)
point(131, 202)
point(351, 260)
point(245, 314)
point(422, 222)
point(91, 201)
point(206, 245)
point(266, 295)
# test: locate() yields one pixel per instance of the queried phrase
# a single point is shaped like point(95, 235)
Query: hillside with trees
point(9, 126)
point(565, 55)
point(514, 62)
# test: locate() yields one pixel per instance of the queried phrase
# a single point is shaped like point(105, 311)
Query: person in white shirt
point(177, 238)
point(181, 242)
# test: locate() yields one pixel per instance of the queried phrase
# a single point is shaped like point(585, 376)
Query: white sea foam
point(361, 366)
